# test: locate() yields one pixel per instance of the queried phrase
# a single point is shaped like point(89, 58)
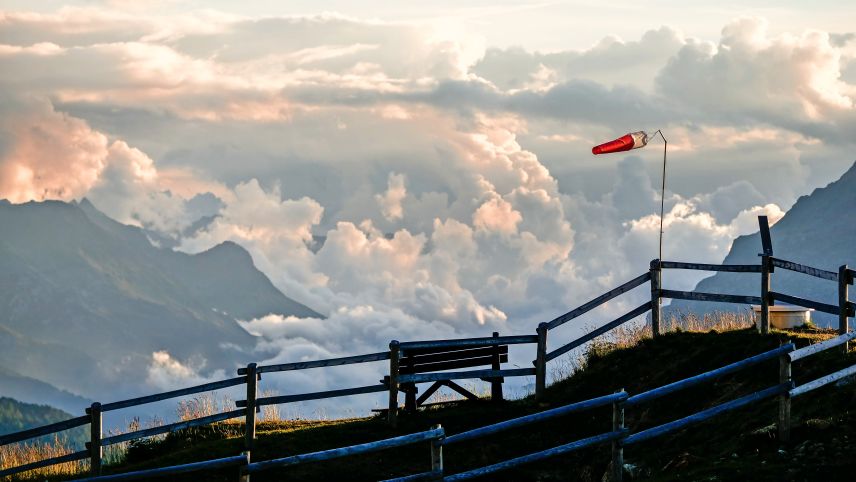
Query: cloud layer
point(411, 183)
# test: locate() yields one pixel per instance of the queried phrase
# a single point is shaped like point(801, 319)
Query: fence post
point(766, 271)
point(784, 399)
point(250, 416)
point(656, 285)
point(95, 449)
point(617, 448)
point(541, 362)
point(243, 475)
point(394, 354)
point(495, 383)
point(437, 453)
point(843, 309)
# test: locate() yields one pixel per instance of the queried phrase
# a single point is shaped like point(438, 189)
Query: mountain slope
point(85, 301)
point(819, 230)
point(16, 416)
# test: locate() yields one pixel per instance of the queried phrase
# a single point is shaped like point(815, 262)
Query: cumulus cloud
point(408, 182)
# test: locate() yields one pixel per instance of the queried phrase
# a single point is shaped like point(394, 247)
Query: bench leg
point(425, 396)
point(409, 390)
point(463, 391)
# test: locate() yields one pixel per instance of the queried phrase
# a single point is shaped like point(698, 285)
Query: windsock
point(634, 140)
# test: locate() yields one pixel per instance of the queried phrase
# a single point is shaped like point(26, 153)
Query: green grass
point(739, 445)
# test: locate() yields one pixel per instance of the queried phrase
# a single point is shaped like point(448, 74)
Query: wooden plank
point(705, 414)
point(716, 297)
point(413, 347)
point(541, 361)
point(709, 375)
point(347, 451)
point(843, 308)
point(794, 300)
point(213, 464)
point(497, 359)
point(537, 456)
point(449, 365)
point(44, 430)
point(766, 301)
point(815, 384)
point(732, 268)
point(435, 377)
point(600, 331)
point(801, 268)
point(250, 412)
point(96, 451)
point(617, 448)
point(206, 387)
point(173, 427)
point(585, 308)
point(454, 354)
point(83, 454)
point(330, 362)
point(392, 384)
point(535, 417)
point(784, 421)
point(819, 347)
point(656, 295)
point(766, 240)
point(314, 395)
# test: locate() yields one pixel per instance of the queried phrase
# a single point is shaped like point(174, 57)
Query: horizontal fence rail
point(315, 395)
point(822, 381)
point(585, 308)
point(822, 307)
point(715, 297)
point(62, 459)
point(695, 380)
point(705, 414)
point(733, 268)
point(538, 456)
point(801, 268)
point(444, 376)
point(214, 464)
point(173, 427)
point(600, 331)
point(207, 387)
point(331, 362)
point(822, 346)
point(44, 430)
point(410, 439)
point(535, 417)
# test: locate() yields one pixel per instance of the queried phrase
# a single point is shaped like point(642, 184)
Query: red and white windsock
point(634, 140)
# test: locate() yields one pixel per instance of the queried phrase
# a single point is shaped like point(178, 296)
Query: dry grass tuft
point(15, 455)
point(630, 334)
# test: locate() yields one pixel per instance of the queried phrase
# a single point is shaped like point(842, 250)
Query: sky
point(442, 149)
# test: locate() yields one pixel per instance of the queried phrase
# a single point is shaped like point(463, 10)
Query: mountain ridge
point(85, 301)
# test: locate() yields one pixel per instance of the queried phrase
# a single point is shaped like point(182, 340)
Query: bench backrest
point(426, 360)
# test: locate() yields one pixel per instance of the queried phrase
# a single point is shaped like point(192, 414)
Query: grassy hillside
point(740, 445)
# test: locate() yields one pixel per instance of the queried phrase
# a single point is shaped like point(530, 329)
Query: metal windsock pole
point(636, 140)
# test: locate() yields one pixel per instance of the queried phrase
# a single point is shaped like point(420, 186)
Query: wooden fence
point(250, 376)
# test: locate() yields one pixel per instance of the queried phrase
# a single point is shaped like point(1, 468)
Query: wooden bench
point(430, 360)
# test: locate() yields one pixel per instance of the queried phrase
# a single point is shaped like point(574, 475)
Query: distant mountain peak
point(817, 231)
